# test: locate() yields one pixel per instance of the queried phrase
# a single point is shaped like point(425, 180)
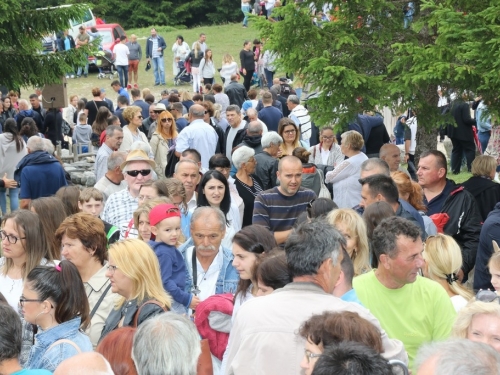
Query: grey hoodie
point(135, 51)
point(82, 133)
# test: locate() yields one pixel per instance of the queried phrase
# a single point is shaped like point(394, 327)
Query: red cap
point(162, 212)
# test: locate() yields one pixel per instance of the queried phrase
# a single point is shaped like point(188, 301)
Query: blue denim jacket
point(228, 279)
point(41, 358)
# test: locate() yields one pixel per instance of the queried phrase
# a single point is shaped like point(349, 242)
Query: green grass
point(221, 39)
point(461, 177)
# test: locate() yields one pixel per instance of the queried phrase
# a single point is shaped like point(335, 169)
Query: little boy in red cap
point(165, 221)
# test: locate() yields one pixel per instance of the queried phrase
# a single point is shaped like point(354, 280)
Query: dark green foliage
point(21, 31)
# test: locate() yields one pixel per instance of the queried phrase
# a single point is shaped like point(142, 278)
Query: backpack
point(286, 90)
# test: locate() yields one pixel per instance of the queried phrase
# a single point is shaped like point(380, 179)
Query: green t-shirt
point(415, 314)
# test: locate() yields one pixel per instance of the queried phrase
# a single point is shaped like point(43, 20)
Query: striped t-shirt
point(278, 212)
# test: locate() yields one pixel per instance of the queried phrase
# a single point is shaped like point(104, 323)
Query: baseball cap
point(162, 212)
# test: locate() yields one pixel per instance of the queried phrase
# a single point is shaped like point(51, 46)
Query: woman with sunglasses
point(480, 320)
point(327, 152)
point(22, 251)
point(54, 300)
point(213, 191)
point(83, 242)
point(163, 140)
point(134, 273)
point(131, 133)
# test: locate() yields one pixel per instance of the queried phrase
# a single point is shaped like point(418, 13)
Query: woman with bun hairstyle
point(54, 299)
point(312, 177)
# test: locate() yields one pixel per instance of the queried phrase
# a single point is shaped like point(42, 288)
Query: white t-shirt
point(324, 155)
point(458, 302)
point(121, 54)
point(11, 289)
point(230, 138)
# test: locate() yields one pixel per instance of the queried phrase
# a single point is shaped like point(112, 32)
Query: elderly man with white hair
point(179, 350)
point(267, 160)
point(253, 115)
point(300, 115)
point(26, 111)
point(247, 184)
point(39, 174)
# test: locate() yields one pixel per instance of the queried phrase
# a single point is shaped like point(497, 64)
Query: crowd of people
point(226, 234)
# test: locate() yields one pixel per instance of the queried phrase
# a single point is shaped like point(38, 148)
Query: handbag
point(172, 160)
point(323, 191)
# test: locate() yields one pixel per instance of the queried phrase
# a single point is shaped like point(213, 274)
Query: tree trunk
point(426, 140)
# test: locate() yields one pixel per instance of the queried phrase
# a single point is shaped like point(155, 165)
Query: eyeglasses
point(289, 131)
point(11, 238)
point(329, 137)
point(310, 355)
point(166, 119)
point(487, 296)
point(111, 269)
point(22, 300)
point(135, 173)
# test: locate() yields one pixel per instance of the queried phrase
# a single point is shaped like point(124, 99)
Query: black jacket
point(221, 142)
point(127, 312)
point(253, 141)
point(486, 193)
point(236, 93)
point(489, 232)
point(266, 169)
point(461, 113)
point(464, 224)
point(238, 138)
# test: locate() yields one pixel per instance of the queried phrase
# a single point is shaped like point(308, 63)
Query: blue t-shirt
point(124, 92)
point(32, 372)
point(270, 116)
point(41, 180)
point(67, 44)
point(181, 123)
point(351, 296)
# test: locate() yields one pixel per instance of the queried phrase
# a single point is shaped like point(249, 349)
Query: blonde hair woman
point(163, 140)
point(443, 259)
point(229, 67)
point(479, 321)
point(134, 272)
point(133, 116)
point(196, 55)
point(353, 228)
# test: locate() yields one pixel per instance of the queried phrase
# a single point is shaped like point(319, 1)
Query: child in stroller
point(183, 76)
point(105, 64)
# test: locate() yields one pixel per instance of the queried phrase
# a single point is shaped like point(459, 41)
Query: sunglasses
point(487, 296)
point(135, 173)
point(166, 119)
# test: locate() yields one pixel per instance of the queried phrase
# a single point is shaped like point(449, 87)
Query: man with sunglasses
point(149, 124)
point(120, 206)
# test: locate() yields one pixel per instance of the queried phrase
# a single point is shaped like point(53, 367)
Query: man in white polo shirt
point(121, 53)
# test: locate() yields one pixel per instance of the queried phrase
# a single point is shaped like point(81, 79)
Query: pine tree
point(365, 58)
point(22, 29)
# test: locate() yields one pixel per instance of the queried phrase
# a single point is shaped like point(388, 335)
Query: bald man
point(391, 154)
point(90, 363)
point(278, 208)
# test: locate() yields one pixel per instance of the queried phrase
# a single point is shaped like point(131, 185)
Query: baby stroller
point(183, 76)
point(105, 63)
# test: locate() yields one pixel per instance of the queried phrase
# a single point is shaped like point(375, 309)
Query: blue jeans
point(123, 74)
point(14, 200)
point(407, 21)
point(85, 69)
point(484, 138)
point(400, 141)
point(158, 70)
point(246, 10)
point(269, 77)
